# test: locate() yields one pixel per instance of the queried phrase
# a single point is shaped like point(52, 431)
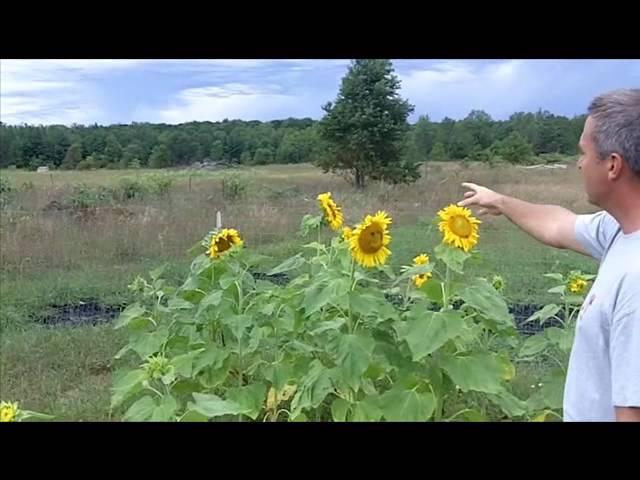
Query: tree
point(365, 128)
point(130, 154)
point(113, 150)
point(424, 135)
point(263, 156)
point(159, 157)
point(514, 148)
point(73, 157)
point(438, 153)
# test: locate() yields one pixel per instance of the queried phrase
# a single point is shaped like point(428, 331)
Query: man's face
point(594, 170)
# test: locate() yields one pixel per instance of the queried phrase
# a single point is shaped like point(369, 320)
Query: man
point(603, 379)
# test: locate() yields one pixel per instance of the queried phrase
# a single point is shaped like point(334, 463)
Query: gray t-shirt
point(604, 368)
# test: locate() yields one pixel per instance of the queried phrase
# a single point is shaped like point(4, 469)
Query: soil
point(89, 312)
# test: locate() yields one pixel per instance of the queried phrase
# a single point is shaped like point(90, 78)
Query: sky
point(177, 91)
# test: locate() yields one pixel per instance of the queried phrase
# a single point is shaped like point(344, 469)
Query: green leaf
point(340, 409)
point(141, 410)
point(213, 406)
point(227, 279)
point(177, 303)
point(481, 372)
point(336, 292)
point(329, 325)
point(212, 356)
point(278, 374)
point(555, 276)
point(558, 289)
point(165, 410)
point(27, 414)
point(451, 256)
point(200, 264)
point(250, 398)
point(544, 313)
point(125, 385)
point(212, 299)
point(238, 324)
point(481, 296)
point(122, 351)
point(254, 340)
point(433, 291)
point(193, 416)
point(183, 364)
point(313, 389)
point(425, 331)
point(366, 410)
point(407, 406)
point(354, 355)
point(509, 403)
point(157, 273)
point(532, 346)
point(150, 343)
point(131, 312)
point(290, 264)
point(552, 392)
point(363, 303)
point(562, 338)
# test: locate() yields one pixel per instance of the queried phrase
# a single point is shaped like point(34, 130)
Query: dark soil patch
point(90, 312)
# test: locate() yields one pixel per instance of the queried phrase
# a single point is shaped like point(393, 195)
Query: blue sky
point(177, 91)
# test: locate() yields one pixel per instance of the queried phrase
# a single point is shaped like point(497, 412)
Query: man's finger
point(472, 186)
point(469, 194)
point(482, 211)
point(464, 203)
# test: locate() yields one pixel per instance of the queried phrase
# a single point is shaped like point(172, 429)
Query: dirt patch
point(88, 312)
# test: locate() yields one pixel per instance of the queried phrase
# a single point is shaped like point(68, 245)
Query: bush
point(6, 191)
point(234, 186)
point(88, 163)
point(129, 189)
point(86, 196)
point(158, 184)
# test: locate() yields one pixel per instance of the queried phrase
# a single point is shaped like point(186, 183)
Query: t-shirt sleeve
point(595, 231)
point(625, 346)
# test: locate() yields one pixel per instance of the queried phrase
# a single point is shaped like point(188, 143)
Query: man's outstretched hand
point(487, 200)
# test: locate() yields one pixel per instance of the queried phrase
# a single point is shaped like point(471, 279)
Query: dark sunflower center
point(370, 240)
point(461, 226)
point(223, 244)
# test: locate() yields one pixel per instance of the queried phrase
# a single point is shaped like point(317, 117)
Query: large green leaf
point(278, 374)
point(200, 264)
point(141, 410)
point(213, 406)
point(125, 385)
point(353, 358)
point(426, 331)
point(334, 324)
point(407, 406)
point(177, 303)
point(340, 409)
point(562, 338)
point(480, 295)
point(238, 324)
point(289, 264)
point(313, 389)
point(150, 343)
point(509, 403)
point(451, 256)
point(165, 409)
point(481, 372)
point(433, 291)
point(544, 313)
point(335, 292)
point(133, 311)
point(533, 345)
point(552, 392)
point(183, 364)
point(250, 398)
point(212, 356)
point(366, 410)
point(212, 299)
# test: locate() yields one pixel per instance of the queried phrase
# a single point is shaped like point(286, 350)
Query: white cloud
point(53, 91)
point(215, 103)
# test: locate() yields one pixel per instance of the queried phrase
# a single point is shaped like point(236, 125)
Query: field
point(53, 255)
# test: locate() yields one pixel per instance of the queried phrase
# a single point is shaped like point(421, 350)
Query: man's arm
point(628, 414)
point(550, 224)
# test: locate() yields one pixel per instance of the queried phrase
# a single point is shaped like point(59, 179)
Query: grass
point(57, 257)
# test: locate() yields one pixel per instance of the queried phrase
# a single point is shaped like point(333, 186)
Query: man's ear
point(616, 166)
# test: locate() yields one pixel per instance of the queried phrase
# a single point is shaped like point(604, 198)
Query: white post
point(218, 220)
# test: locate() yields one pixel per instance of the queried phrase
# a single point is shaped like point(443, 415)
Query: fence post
point(218, 220)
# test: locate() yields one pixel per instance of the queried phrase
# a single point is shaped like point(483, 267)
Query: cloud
point(215, 103)
point(54, 91)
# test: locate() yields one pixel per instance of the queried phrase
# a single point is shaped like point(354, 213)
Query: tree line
point(365, 132)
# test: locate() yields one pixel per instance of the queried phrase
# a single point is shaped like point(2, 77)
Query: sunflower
point(369, 240)
point(346, 233)
point(223, 241)
point(577, 285)
point(418, 280)
point(332, 212)
point(459, 227)
point(8, 411)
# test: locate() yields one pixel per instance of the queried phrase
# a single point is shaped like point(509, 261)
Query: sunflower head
point(332, 212)
point(8, 411)
point(223, 241)
point(498, 283)
point(346, 233)
point(419, 280)
point(368, 241)
point(577, 285)
point(459, 227)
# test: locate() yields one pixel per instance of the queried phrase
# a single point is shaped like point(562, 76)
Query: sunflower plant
point(11, 412)
point(333, 343)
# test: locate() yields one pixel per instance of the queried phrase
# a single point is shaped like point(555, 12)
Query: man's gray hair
point(616, 117)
